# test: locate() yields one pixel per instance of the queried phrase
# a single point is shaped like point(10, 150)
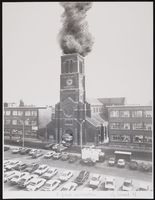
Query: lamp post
point(80, 123)
point(23, 123)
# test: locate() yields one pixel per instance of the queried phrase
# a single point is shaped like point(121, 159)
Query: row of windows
point(127, 113)
point(20, 122)
point(20, 113)
point(128, 126)
point(96, 109)
point(127, 138)
point(70, 66)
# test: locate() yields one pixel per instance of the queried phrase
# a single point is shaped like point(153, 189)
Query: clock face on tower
point(69, 81)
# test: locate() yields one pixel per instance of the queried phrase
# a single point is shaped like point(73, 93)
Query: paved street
point(100, 168)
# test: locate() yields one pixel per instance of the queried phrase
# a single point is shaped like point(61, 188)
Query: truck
point(91, 155)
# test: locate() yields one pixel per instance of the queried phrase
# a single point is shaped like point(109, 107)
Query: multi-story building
point(27, 119)
point(130, 126)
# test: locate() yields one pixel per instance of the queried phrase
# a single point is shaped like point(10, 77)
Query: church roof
point(96, 120)
point(93, 101)
point(112, 101)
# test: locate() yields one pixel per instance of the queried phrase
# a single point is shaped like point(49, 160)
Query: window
point(27, 113)
point(7, 112)
point(148, 113)
point(120, 138)
point(114, 126)
point(80, 64)
point(125, 126)
point(147, 139)
point(14, 112)
point(137, 113)
point(124, 114)
point(69, 122)
point(138, 139)
point(19, 113)
point(147, 126)
point(27, 122)
point(137, 126)
point(114, 113)
point(14, 122)
point(7, 121)
point(33, 123)
point(34, 113)
point(94, 110)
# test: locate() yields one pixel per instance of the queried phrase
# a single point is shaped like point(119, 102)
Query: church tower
point(70, 112)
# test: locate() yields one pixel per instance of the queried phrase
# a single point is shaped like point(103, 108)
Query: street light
point(80, 123)
point(23, 123)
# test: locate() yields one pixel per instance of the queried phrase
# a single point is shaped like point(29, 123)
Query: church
point(74, 121)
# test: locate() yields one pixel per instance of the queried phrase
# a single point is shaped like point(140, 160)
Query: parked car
point(65, 175)
point(57, 156)
point(127, 185)
point(32, 151)
point(101, 157)
point(145, 167)
point(51, 185)
point(50, 173)
point(121, 163)
point(42, 169)
point(6, 148)
point(37, 154)
point(16, 150)
point(8, 175)
point(133, 165)
point(70, 186)
point(73, 159)
point(111, 161)
point(95, 181)
point(87, 162)
point(49, 146)
point(65, 156)
point(25, 151)
point(15, 174)
point(16, 178)
point(32, 167)
point(12, 164)
point(143, 187)
point(108, 184)
point(35, 184)
point(49, 154)
point(82, 177)
point(20, 166)
point(55, 146)
point(87, 189)
point(24, 181)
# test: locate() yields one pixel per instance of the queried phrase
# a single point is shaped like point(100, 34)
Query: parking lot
point(100, 168)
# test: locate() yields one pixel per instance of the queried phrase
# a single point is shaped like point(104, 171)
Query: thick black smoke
point(74, 36)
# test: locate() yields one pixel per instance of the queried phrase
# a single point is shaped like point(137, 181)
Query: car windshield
point(47, 184)
point(64, 189)
point(16, 176)
point(94, 178)
point(127, 184)
point(109, 182)
point(32, 183)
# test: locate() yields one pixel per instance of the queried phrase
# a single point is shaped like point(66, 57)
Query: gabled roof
point(112, 101)
point(93, 101)
point(96, 120)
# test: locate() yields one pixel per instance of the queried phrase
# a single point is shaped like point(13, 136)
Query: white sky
point(120, 64)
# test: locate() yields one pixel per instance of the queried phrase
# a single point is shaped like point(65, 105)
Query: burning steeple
point(74, 36)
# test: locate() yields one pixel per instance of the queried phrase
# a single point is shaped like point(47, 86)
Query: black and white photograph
point(77, 99)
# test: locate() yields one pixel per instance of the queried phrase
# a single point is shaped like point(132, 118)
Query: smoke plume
point(74, 36)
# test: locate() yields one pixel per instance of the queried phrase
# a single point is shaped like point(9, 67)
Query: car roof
point(96, 175)
point(43, 165)
point(120, 159)
point(69, 184)
point(52, 181)
point(127, 180)
point(109, 179)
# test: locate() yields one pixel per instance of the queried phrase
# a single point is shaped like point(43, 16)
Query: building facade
point(130, 126)
point(73, 113)
point(26, 119)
